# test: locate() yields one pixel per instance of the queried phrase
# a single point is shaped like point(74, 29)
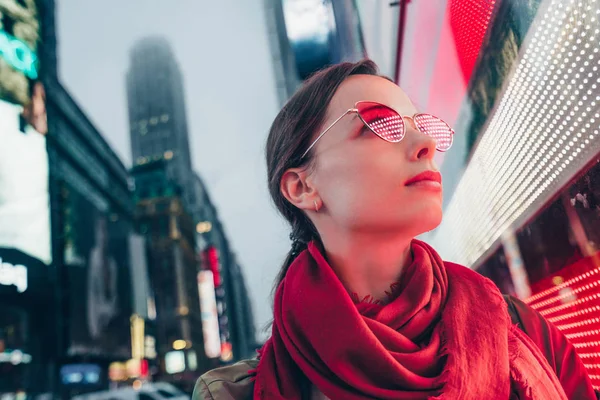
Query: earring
point(316, 206)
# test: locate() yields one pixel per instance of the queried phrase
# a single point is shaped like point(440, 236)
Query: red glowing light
point(469, 20)
point(210, 260)
point(574, 307)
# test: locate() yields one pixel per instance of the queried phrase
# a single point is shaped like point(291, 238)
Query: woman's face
point(361, 178)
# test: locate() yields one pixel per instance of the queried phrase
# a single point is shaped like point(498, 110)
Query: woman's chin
point(428, 218)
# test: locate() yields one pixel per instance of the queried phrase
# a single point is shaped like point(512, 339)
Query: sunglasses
point(386, 123)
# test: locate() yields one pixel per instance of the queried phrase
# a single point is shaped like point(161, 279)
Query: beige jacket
point(233, 383)
point(227, 383)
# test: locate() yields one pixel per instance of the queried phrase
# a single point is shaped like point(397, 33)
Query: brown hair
point(291, 134)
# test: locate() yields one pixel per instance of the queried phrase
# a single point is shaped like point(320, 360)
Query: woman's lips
point(426, 180)
point(427, 184)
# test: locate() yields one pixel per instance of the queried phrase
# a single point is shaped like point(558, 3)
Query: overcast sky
point(222, 49)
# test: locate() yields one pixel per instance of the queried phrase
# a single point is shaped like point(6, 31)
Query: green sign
point(18, 55)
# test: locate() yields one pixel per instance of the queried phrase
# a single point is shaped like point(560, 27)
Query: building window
point(547, 243)
point(496, 269)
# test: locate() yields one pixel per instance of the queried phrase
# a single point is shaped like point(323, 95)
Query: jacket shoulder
point(232, 382)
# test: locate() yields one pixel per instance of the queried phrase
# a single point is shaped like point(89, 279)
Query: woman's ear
point(297, 188)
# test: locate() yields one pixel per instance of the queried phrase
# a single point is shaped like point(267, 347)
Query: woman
point(362, 309)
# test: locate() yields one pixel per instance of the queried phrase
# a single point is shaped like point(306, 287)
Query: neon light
point(13, 275)
point(589, 310)
point(576, 300)
point(580, 289)
point(579, 324)
point(571, 336)
point(15, 357)
point(18, 55)
point(530, 145)
point(571, 304)
point(562, 285)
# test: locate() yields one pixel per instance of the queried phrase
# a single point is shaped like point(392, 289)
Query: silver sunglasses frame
point(355, 110)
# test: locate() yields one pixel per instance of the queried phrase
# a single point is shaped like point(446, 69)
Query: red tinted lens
point(382, 120)
point(436, 128)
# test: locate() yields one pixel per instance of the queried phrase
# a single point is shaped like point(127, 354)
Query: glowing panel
point(570, 300)
point(469, 20)
point(543, 130)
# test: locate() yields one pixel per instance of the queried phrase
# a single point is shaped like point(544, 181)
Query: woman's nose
point(422, 145)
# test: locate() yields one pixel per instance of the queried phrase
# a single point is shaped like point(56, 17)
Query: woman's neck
point(368, 265)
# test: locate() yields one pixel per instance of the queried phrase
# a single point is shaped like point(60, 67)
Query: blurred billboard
point(24, 198)
point(97, 257)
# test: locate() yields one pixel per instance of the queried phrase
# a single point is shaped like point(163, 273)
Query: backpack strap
point(514, 315)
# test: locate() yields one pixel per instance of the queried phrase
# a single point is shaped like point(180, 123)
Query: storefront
point(520, 83)
point(26, 325)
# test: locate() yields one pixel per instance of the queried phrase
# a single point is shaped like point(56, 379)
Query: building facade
point(173, 266)
point(67, 242)
point(92, 219)
point(28, 279)
point(307, 35)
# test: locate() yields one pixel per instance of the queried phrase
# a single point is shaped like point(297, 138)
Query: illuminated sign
point(13, 275)
point(137, 337)
point(150, 347)
point(80, 374)
point(117, 372)
point(175, 362)
point(18, 55)
point(15, 357)
point(209, 315)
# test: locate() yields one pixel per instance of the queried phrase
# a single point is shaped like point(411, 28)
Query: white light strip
point(544, 129)
point(577, 290)
point(573, 336)
point(578, 324)
point(578, 313)
point(577, 302)
point(533, 299)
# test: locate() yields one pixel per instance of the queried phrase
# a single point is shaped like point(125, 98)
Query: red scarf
point(446, 335)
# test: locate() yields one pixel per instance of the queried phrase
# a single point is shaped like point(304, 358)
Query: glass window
point(165, 394)
point(496, 269)
point(584, 197)
point(547, 244)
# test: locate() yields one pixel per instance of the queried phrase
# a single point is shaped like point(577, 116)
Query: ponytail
point(303, 232)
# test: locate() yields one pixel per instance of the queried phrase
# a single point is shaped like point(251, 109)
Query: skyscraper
point(157, 116)
point(159, 136)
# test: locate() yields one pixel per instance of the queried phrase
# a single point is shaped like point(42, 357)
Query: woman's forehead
point(370, 88)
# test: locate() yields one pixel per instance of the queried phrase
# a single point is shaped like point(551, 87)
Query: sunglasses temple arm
point(351, 110)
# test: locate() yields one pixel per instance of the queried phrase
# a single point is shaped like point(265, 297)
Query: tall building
point(159, 134)
point(173, 267)
point(157, 116)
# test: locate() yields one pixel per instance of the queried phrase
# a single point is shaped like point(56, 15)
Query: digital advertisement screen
point(24, 198)
point(310, 26)
point(97, 258)
point(210, 316)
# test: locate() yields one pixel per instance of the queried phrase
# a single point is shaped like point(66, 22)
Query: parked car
point(148, 391)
